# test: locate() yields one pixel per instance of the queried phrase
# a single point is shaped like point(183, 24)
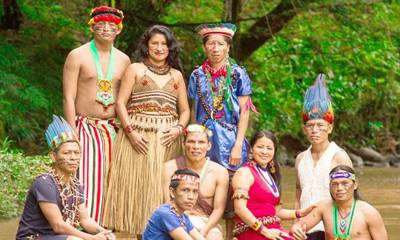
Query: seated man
point(214, 182)
point(345, 216)
point(55, 207)
point(169, 220)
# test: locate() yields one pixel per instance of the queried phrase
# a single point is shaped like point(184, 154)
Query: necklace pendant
point(104, 93)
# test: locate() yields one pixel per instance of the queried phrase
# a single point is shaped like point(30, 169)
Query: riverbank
point(378, 186)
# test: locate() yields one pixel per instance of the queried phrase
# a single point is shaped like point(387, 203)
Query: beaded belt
point(266, 220)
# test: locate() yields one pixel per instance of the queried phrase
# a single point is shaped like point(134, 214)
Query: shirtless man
point(344, 216)
point(214, 181)
point(314, 164)
point(91, 80)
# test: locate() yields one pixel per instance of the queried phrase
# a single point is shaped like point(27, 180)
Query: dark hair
point(268, 134)
point(174, 48)
point(347, 169)
point(228, 40)
point(175, 183)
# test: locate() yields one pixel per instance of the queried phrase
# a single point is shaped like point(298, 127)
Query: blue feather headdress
point(317, 102)
point(58, 132)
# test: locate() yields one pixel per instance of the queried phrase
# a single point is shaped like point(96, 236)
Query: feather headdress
point(106, 14)
point(58, 132)
point(317, 102)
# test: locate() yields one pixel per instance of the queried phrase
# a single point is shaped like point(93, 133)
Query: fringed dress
point(135, 184)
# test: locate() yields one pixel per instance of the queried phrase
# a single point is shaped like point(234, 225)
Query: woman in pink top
point(256, 197)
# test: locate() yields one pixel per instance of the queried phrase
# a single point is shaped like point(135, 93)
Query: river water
point(379, 186)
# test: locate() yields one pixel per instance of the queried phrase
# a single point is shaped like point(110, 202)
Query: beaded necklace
point(69, 210)
point(180, 217)
point(223, 91)
point(267, 178)
point(159, 70)
point(341, 230)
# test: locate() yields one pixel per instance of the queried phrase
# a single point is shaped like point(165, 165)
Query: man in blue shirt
point(169, 221)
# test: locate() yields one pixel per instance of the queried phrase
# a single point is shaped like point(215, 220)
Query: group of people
point(127, 158)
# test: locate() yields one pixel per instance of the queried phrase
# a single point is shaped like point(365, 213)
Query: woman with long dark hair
point(257, 193)
point(153, 108)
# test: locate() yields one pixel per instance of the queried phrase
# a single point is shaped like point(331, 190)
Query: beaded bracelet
point(296, 214)
point(129, 128)
point(180, 127)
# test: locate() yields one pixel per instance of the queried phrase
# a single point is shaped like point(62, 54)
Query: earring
point(271, 166)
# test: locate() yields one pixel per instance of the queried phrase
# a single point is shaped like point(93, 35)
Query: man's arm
point(70, 85)
point(236, 153)
point(180, 234)
point(298, 187)
point(376, 226)
point(53, 215)
point(308, 221)
point(341, 158)
point(221, 193)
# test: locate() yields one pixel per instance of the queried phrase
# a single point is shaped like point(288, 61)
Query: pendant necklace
point(104, 93)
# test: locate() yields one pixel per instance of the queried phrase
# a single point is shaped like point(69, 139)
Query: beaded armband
point(241, 194)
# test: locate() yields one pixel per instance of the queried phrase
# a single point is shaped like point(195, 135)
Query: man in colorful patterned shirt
point(54, 208)
point(220, 91)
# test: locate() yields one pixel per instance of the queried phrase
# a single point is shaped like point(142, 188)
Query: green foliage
point(357, 47)
point(17, 173)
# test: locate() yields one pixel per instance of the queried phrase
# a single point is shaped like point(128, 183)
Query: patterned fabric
point(224, 129)
point(33, 224)
point(262, 203)
point(135, 187)
point(314, 180)
point(96, 137)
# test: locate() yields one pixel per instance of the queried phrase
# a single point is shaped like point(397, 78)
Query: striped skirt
point(96, 137)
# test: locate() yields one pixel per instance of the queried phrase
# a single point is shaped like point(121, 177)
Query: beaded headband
point(59, 132)
point(317, 102)
point(342, 174)
point(106, 14)
point(192, 128)
point(185, 177)
point(226, 29)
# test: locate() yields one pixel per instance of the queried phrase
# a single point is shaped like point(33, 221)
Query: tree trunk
point(231, 13)
point(12, 17)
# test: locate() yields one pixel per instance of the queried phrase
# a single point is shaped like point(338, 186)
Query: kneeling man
point(345, 216)
point(169, 221)
point(55, 205)
point(214, 181)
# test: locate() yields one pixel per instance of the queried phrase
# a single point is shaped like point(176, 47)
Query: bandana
point(185, 177)
point(342, 174)
point(225, 29)
point(197, 128)
point(106, 14)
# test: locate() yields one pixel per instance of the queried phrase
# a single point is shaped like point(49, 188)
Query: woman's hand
point(274, 234)
point(170, 135)
point(138, 142)
point(236, 155)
